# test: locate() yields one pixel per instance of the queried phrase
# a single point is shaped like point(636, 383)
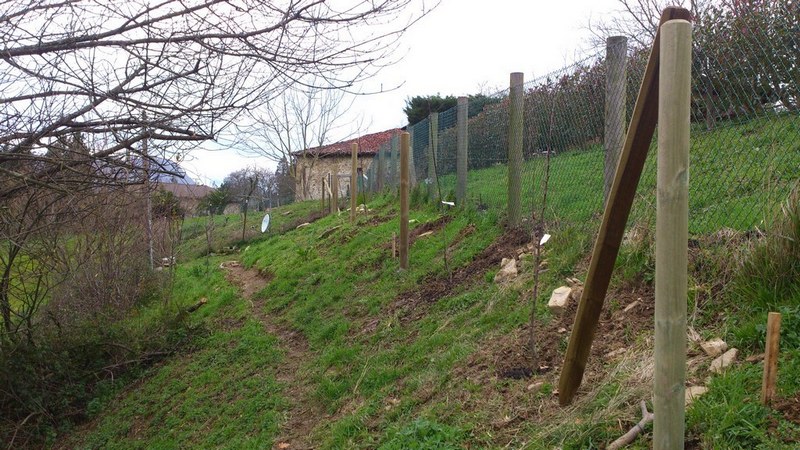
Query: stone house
point(317, 163)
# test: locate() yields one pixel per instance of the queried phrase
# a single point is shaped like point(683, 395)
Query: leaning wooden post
point(515, 125)
point(462, 143)
point(616, 80)
point(353, 181)
point(404, 200)
point(615, 216)
point(334, 192)
point(433, 148)
point(672, 233)
point(771, 358)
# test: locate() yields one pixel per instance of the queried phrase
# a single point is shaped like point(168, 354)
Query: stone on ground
point(508, 270)
point(694, 392)
point(724, 361)
point(559, 300)
point(714, 347)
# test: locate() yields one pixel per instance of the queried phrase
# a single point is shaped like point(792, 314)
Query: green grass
point(378, 380)
point(739, 173)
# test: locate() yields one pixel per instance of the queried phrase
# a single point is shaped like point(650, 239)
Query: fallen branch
point(628, 437)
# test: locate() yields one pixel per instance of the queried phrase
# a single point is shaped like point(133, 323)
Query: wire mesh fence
point(744, 153)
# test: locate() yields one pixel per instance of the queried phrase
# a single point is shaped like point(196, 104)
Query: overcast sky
point(462, 47)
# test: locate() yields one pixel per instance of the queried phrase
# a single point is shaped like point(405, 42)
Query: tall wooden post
point(515, 130)
point(322, 197)
point(462, 143)
point(412, 170)
point(616, 80)
point(771, 358)
point(393, 164)
point(404, 200)
point(353, 181)
point(609, 238)
point(433, 149)
point(672, 233)
point(381, 171)
point(334, 192)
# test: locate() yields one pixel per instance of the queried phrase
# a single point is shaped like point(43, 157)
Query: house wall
point(313, 170)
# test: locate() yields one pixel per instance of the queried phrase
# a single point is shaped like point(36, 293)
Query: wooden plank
point(615, 216)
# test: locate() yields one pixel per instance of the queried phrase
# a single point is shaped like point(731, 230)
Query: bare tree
point(638, 20)
point(171, 71)
point(300, 119)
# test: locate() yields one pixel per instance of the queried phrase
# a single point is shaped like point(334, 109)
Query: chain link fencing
point(745, 137)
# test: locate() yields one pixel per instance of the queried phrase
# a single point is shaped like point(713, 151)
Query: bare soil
point(789, 408)
point(303, 414)
point(413, 305)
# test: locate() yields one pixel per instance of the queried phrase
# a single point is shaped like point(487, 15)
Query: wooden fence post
point(322, 197)
point(615, 216)
point(616, 80)
point(393, 164)
point(672, 233)
point(353, 181)
point(515, 130)
point(771, 358)
point(462, 144)
point(334, 192)
point(404, 200)
point(433, 149)
point(381, 171)
point(412, 170)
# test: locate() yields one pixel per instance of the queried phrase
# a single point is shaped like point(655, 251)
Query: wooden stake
point(672, 233)
point(404, 200)
point(771, 358)
point(353, 181)
point(615, 216)
point(394, 245)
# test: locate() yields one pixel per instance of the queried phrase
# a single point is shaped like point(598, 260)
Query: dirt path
point(303, 415)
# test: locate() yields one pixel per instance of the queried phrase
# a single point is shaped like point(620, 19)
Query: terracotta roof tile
point(368, 145)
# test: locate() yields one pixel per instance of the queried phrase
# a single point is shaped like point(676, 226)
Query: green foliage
point(166, 204)
point(215, 201)
point(419, 107)
point(423, 434)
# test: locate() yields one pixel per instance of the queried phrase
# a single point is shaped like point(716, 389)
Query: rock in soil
point(508, 270)
point(559, 300)
point(714, 347)
point(724, 361)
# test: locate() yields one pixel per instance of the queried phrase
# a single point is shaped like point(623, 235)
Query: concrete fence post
point(433, 149)
point(672, 233)
point(462, 144)
point(615, 120)
point(515, 133)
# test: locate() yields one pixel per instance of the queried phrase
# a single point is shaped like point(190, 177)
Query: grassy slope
point(381, 381)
